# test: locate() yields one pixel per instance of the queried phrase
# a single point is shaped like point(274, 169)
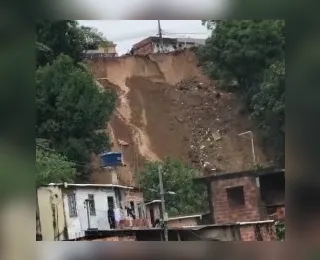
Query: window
point(110, 202)
point(72, 205)
point(235, 196)
point(132, 206)
point(91, 205)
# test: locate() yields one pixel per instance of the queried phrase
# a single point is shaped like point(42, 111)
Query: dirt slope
point(167, 107)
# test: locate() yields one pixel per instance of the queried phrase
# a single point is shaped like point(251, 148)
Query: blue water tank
point(111, 159)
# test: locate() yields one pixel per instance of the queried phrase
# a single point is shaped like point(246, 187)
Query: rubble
point(216, 136)
point(123, 143)
point(199, 106)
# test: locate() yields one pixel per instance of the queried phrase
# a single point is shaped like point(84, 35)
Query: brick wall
point(258, 232)
point(144, 50)
point(250, 211)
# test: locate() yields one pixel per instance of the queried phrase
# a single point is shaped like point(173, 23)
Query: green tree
point(177, 177)
point(281, 231)
point(60, 37)
point(247, 56)
point(92, 38)
point(240, 50)
point(268, 107)
point(64, 37)
point(70, 108)
point(51, 166)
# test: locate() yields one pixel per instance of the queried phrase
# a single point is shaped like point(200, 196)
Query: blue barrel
point(111, 159)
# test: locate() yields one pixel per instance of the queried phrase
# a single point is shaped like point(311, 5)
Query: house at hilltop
point(107, 50)
point(153, 45)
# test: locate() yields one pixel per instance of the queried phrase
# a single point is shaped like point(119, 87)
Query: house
point(66, 211)
point(152, 45)
point(106, 50)
point(184, 43)
point(248, 196)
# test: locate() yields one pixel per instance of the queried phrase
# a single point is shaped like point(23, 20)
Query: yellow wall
point(109, 49)
point(47, 195)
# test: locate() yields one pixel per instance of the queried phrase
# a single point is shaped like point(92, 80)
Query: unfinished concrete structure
point(246, 196)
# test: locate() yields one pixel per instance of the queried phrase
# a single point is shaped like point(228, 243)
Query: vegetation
point(64, 37)
point(70, 108)
point(51, 166)
point(247, 56)
point(281, 231)
point(178, 177)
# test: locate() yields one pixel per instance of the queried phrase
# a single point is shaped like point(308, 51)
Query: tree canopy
point(51, 166)
point(70, 108)
point(177, 177)
point(247, 56)
point(64, 37)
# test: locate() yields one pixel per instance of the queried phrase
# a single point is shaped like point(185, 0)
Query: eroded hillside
point(167, 107)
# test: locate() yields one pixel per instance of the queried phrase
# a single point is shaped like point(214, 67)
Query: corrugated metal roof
point(90, 185)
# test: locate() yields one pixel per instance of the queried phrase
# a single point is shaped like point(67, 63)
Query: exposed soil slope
point(167, 107)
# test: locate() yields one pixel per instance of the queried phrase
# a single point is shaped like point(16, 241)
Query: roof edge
point(256, 173)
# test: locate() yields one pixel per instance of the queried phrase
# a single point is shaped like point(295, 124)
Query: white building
point(183, 43)
point(63, 210)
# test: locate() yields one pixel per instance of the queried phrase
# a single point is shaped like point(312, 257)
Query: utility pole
point(252, 145)
point(164, 214)
point(160, 36)
point(86, 202)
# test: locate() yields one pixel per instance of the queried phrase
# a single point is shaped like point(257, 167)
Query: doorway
point(152, 216)
point(110, 201)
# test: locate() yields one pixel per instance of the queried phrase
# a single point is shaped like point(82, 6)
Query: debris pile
point(202, 109)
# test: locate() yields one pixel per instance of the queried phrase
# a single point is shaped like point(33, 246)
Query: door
point(152, 216)
point(111, 202)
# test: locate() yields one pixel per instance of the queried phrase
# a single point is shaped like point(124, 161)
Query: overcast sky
point(125, 33)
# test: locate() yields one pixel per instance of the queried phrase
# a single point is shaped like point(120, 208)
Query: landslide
point(167, 107)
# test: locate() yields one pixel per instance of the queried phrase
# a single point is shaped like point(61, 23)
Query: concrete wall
point(77, 225)
point(51, 213)
point(192, 221)
point(223, 233)
point(166, 48)
point(252, 210)
point(147, 47)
